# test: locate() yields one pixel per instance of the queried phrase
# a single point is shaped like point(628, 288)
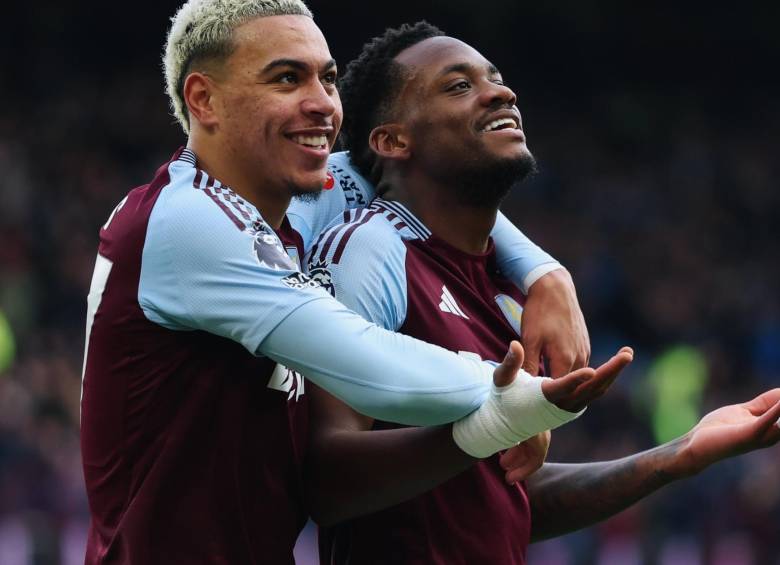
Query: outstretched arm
point(565, 498)
point(352, 470)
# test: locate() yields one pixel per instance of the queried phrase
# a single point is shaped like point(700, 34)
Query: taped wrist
point(510, 415)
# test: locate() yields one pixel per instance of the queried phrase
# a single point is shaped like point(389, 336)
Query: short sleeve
point(363, 264)
point(519, 258)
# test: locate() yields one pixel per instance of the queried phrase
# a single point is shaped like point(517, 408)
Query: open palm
point(734, 429)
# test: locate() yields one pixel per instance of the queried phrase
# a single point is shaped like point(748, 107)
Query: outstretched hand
point(731, 430)
point(571, 392)
point(554, 327)
point(575, 391)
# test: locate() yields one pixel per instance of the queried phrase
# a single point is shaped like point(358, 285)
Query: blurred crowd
point(663, 208)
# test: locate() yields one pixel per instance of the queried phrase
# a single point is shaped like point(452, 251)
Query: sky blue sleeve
point(384, 375)
point(519, 258)
point(201, 270)
point(364, 266)
point(346, 189)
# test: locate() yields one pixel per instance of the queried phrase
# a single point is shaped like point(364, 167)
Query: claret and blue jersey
point(385, 264)
point(179, 427)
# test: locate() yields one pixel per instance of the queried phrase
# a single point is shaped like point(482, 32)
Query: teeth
point(498, 123)
point(311, 140)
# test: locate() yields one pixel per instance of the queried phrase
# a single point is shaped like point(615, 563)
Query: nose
point(321, 101)
point(498, 95)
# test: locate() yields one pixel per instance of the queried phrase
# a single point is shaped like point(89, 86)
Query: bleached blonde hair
point(203, 30)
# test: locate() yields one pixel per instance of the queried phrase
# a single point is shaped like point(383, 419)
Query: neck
point(220, 162)
point(465, 227)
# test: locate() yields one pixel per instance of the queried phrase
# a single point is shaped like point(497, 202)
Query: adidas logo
point(449, 305)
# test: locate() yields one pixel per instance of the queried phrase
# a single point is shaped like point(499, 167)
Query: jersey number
point(96, 288)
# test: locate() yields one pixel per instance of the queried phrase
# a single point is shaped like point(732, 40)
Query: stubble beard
point(485, 183)
point(306, 196)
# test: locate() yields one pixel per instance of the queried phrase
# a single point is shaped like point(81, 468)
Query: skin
point(450, 94)
point(246, 112)
point(566, 498)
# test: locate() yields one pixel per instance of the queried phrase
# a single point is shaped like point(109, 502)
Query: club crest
point(512, 311)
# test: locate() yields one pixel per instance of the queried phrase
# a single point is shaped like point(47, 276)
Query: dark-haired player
point(443, 141)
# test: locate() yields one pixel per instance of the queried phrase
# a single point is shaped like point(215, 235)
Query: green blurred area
point(7, 344)
point(676, 380)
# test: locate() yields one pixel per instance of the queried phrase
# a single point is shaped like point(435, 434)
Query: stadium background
point(656, 129)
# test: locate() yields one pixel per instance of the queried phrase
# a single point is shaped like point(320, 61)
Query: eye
point(288, 77)
point(330, 78)
point(461, 84)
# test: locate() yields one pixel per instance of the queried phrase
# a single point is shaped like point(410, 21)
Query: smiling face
point(278, 111)
point(461, 119)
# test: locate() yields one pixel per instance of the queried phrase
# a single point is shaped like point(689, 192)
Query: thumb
point(505, 373)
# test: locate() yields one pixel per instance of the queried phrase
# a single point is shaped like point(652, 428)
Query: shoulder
point(364, 232)
point(192, 197)
point(362, 262)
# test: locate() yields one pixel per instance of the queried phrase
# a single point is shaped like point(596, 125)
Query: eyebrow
point(466, 68)
point(296, 64)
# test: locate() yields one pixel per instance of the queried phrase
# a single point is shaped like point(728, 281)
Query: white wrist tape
point(510, 415)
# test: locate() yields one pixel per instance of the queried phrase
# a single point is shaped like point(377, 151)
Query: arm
point(204, 268)
point(565, 498)
point(352, 470)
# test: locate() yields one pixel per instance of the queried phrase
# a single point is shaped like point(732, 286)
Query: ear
point(390, 141)
point(199, 98)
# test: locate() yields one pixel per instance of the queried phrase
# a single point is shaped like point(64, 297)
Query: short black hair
point(369, 86)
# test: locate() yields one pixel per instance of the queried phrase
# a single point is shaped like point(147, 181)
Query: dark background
point(656, 129)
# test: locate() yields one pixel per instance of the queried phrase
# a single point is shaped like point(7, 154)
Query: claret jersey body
point(187, 439)
point(386, 265)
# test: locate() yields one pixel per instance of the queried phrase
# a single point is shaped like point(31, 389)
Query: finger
point(504, 374)
point(581, 360)
point(522, 473)
point(562, 390)
point(533, 351)
point(562, 362)
point(513, 458)
point(768, 419)
point(763, 402)
point(609, 371)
